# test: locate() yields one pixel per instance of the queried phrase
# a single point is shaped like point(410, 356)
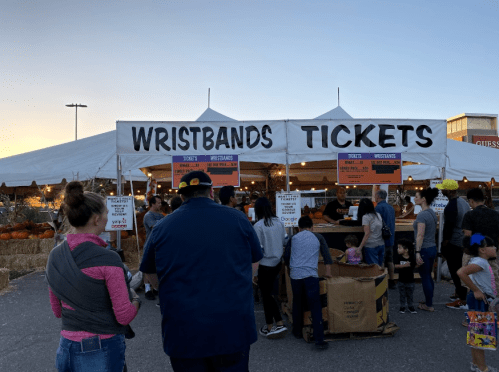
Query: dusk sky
point(262, 59)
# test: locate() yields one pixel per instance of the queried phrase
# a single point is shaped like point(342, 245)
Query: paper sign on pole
point(288, 205)
point(369, 169)
point(120, 215)
point(222, 169)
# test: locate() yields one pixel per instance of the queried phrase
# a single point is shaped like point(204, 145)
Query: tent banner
point(367, 136)
point(201, 138)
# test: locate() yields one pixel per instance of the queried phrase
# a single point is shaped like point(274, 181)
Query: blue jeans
point(428, 256)
point(375, 255)
point(109, 356)
point(237, 362)
point(476, 305)
point(307, 288)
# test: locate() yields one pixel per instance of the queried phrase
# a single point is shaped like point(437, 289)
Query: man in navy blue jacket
point(202, 255)
point(388, 214)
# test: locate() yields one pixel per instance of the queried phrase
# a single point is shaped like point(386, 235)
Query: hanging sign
point(222, 169)
point(439, 203)
point(288, 208)
point(120, 215)
point(369, 169)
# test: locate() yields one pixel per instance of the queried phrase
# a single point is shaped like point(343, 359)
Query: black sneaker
point(323, 345)
point(264, 331)
point(402, 310)
point(277, 331)
point(155, 292)
point(412, 310)
point(150, 296)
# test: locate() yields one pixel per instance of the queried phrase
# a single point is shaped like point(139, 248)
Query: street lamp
point(76, 116)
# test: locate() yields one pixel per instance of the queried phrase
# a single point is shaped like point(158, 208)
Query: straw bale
point(46, 245)
point(24, 246)
point(4, 278)
point(129, 245)
point(131, 257)
point(4, 247)
point(19, 262)
point(38, 260)
point(5, 261)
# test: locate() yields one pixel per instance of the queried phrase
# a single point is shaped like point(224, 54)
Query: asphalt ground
point(29, 336)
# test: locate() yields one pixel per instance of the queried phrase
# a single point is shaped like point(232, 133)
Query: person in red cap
point(202, 255)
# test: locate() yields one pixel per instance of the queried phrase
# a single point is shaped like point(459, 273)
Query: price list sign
point(369, 169)
point(222, 169)
point(120, 215)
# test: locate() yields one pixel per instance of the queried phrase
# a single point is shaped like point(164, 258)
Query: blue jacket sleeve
point(148, 264)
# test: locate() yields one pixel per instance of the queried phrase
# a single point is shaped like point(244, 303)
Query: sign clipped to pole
point(120, 215)
point(369, 169)
point(288, 205)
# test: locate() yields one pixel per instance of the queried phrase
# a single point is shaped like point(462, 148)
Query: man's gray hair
point(381, 194)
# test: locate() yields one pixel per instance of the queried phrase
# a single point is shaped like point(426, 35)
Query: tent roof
point(212, 115)
point(336, 113)
point(87, 158)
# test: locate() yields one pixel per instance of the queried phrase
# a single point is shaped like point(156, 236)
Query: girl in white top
point(372, 222)
point(479, 278)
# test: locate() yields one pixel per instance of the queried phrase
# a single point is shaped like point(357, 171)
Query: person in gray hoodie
point(271, 233)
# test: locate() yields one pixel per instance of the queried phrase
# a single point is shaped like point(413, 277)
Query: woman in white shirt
point(372, 242)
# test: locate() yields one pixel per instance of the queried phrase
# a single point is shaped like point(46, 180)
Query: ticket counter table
point(335, 234)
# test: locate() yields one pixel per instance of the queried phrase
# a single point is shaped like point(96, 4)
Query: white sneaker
point(277, 332)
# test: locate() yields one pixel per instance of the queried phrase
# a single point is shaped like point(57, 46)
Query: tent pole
point(118, 193)
point(441, 221)
point(135, 216)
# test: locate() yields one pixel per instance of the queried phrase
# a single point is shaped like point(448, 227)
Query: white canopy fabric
point(212, 115)
point(476, 163)
point(87, 158)
point(336, 113)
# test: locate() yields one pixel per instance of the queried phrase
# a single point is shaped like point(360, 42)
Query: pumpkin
point(14, 234)
point(5, 236)
point(49, 233)
point(18, 226)
point(33, 237)
point(311, 215)
point(318, 215)
point(22, 235)
point(124, 234)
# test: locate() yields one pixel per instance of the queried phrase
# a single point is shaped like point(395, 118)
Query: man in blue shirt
point(388, 214)
point(202, 255)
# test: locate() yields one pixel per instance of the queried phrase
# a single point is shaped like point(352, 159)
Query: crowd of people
point(208, 321)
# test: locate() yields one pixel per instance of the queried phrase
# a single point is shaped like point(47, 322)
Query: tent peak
point(336, 113)
point(212, 115)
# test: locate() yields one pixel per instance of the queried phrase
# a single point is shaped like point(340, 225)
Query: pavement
point(29, 336)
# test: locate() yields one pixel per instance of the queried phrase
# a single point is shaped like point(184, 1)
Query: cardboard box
point(357, 298)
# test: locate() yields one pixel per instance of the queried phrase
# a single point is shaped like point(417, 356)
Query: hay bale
point(46, 245)
point(38, 260)
point(129, 245)
point(5, 261)
point(19, 262)
point(4, 247)
point(131, 257)
point(4, 278)
point(24, 246)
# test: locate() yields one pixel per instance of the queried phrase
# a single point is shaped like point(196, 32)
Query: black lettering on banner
point(146, 142)
point(222, 138)
point(405, 129)
point(250, 129)
point(309, 129)
point(334, 136)
point(266, 129)
point(208, 138)
point(383, 136)
point(324, 136)
point(195, 131)
point(174, 138)
point(420, 134)
point(160, 141)
point(236, 138)
point(361, 135)
point(181, 132)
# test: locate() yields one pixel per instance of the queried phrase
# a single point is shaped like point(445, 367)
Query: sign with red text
point(222, 169)
point(369, 169)
point(487, 141)
point(120, 215)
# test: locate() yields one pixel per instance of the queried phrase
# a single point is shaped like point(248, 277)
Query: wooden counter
point(335, 234)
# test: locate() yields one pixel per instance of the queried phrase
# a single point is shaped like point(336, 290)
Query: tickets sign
point(222, 169)
point(288, 208)
point(369, 169)
point(120, 215)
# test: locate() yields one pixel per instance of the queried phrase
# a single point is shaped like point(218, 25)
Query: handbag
point(482, 330)
point(385, 231)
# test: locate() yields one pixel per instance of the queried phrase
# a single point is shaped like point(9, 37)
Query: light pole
point(76, 116)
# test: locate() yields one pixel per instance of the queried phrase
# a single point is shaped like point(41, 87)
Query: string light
point(303, 163)
point(280, 173)
point(112, 193)
point(159, 186)
point(252, 182)
point(410, 178)
point(149, 174)
point(290, 182)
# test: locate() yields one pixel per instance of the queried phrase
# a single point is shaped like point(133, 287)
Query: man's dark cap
point(194, 180)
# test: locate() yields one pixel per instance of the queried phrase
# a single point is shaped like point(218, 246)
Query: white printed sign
point(439, 203)
point(288, 205)
point(120, 215)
